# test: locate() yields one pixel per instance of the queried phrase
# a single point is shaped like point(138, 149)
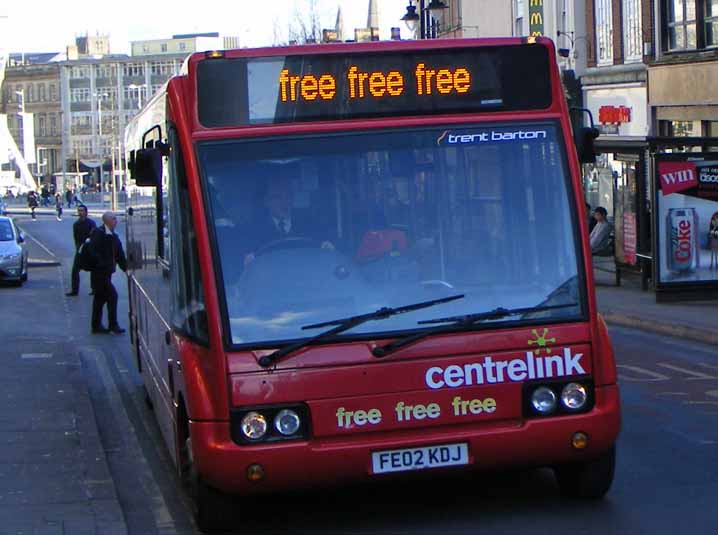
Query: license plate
point(419, 458)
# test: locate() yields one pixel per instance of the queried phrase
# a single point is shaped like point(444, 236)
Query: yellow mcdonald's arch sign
point(536, 17)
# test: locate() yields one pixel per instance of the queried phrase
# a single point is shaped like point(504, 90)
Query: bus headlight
point(543, 400)
point(287, 422)
point(254, 426)
point(574, 396)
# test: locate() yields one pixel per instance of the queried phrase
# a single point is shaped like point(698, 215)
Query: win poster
point(687, 224)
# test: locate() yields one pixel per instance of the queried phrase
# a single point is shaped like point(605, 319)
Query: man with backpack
point(81, 230)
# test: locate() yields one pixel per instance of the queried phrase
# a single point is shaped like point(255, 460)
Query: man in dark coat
point(81, 230)
point(277, 221)
point(107, 251)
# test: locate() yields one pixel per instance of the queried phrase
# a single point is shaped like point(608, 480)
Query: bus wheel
point(589, 480)
point(213, 509)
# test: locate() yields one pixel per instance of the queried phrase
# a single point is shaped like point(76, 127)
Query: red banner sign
point(677, 176)
point(614, 114)
point(629, 238)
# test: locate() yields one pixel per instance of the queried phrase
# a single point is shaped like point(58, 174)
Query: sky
point(50, 25)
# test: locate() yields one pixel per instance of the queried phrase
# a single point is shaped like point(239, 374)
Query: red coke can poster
point(687, 219)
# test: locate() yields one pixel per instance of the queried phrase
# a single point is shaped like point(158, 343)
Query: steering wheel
point(287, 243)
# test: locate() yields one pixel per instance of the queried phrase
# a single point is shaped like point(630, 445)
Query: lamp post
point(100, 151)
point(425, 19)
point(139, 88)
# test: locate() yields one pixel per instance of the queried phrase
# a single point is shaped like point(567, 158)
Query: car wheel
point(589, 480)
point(23, 277)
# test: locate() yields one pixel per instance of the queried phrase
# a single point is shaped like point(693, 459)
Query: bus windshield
point(318, 227)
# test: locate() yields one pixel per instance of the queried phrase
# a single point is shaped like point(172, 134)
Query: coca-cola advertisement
point(687, 218)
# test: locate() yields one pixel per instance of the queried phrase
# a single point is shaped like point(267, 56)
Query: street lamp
point(100, 146)
point(426, 18)
point(139, 88)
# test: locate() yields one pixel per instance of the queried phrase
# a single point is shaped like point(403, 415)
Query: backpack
point(86, 259)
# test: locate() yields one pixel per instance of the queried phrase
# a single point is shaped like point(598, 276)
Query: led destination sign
point(321, 87)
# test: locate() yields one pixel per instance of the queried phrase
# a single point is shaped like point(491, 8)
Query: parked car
point(13, 253)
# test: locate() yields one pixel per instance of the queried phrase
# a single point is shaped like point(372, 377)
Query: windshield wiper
point(460, 321)
point(344, 324)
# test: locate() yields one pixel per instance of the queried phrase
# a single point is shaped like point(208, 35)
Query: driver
point(278, 221)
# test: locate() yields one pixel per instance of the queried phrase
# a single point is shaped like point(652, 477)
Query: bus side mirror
point(585, 146)
point(146, 167)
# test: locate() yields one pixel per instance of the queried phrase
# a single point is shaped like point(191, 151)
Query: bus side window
point(163, 202)
point(188, 306)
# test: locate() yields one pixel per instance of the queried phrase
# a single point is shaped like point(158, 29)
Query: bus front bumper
point(333, 461)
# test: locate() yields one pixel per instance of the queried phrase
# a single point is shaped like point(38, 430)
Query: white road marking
point(712, 393)
point(650, 376)
point(673, 393)
point(695, 375)
point(33, 238)
point(36, 356)
point(701, 402)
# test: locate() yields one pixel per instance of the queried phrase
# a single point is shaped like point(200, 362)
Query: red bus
point(352, 261)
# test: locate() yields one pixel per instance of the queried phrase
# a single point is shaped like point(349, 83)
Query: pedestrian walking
point(58, 206)
point(32, 204)
point(68, 198)
point(106, 249)
point(81, 230)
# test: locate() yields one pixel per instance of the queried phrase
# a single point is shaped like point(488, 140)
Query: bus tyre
point(213, 509)
point(588, 480)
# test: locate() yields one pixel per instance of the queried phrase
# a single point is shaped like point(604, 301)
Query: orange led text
point(308, 86)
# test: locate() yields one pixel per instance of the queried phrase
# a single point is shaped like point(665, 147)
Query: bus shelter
point(662, 197)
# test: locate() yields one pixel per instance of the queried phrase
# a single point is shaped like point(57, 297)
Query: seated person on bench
point(600, 237)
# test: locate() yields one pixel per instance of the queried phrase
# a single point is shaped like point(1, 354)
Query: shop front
point(620, 181)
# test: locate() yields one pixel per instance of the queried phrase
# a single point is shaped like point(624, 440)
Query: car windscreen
point(315, 228)
point(6, 233)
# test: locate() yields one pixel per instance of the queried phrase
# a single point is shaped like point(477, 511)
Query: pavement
point(627, 305)
point(54, 474)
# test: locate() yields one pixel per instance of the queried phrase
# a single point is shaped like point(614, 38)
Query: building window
point(29, 96)
point(163, 68)
point(134, 69)
point(53, 125)
point(163, 47)
point(711, 22)
point(80, 71)
point(80, 94)
point(53, 93)
point(105, 71)
point(183, 45)
point(41, 125)
point(604, 32)
point(41, 92)
point(681, 23)
point(632, 33)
